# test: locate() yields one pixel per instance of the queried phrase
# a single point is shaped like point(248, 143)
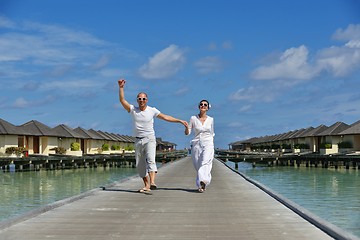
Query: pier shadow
point(158, 189)
point(120, 190)
point(177, 189)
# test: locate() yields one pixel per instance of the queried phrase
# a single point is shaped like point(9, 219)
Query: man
point(145, 141)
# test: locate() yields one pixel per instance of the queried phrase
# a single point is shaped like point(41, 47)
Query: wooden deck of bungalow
point(232, 207)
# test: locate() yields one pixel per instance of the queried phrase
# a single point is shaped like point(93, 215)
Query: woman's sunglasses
point(203, 104)
point(143, 99)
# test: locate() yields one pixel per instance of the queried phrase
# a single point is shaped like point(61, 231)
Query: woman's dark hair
point(204, 100)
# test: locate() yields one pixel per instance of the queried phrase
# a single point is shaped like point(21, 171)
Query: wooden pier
point(232, 207)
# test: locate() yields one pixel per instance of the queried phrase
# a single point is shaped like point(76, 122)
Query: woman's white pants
point(202, 154)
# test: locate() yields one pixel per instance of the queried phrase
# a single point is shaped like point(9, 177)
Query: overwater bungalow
point(303, 142)
point(350, 138)
point(339, 138)
point(164, 145)
point(36, 138)
point(330, 138)
point(109, 141)
point(8, 136)
point(91, 143)
point(67, 138)
point(313, 139)
point(97, 142)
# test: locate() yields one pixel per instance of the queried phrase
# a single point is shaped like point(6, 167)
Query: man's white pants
point(145, 153)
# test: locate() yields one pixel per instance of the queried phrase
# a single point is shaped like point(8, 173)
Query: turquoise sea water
point(333, 195)
point(21, 192)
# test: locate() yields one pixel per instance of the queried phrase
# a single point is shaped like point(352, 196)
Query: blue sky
point(267, 67)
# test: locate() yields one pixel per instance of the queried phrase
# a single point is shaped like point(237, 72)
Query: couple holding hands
point(202, 145)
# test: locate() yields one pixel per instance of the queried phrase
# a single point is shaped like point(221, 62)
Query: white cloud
point(293, 67)
point(254, 94)
point(17, 47)
point(23, 103)
point(6, 23)
point(60, 35)
point(340, 61)
point(102, 62)
point(20, 103)
point(292, 64)
point(208, 65)
point(181, 91)
point(13, 72)
point(352, 32)
point(353, 44)
point(32, 51)
point(245, 108)
point(71, 86)
point(163, 64)
point(47, 44)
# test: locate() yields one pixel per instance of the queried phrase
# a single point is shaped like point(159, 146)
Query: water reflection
point(23, 191)
point(332, 194)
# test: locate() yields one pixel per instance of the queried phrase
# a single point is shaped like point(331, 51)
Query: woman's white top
point(143, 120)
point(204, 132)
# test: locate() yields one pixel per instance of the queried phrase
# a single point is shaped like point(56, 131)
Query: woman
point(202, 146)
